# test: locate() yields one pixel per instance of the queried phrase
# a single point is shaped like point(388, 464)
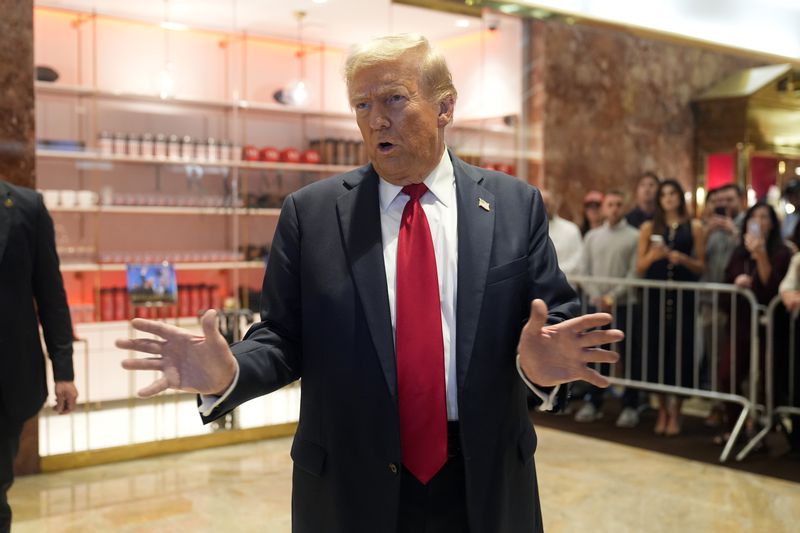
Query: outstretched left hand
point(552, 355)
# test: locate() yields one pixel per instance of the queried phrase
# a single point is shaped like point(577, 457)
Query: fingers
point(159, 385)
point(600, 337)
point(597, 355)
point(61, 402)
point(538, 316)
point(209, 323)
point(582, 323)
point(165, 331)
point(594, 377)
point(151, 363)
point(151, 346)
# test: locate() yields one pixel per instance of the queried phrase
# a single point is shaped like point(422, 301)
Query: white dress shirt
point(440, 207)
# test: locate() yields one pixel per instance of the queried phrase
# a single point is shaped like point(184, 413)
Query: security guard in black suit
point(31, 292)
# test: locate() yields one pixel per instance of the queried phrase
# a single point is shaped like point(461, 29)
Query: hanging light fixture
point(296, 93)
point(166, 78)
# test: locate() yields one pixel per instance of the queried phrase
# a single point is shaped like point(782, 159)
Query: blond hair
point(437, 82)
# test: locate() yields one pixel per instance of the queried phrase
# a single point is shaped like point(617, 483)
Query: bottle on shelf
point(225, 149)
point(160, 149)
point(212, 151)
point(187, 148)
point(106, 144)
point(174, 148)
point(134, 145)
point(120, 144)
point(147, 148)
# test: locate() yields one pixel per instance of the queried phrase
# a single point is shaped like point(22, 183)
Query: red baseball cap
point(593, 197)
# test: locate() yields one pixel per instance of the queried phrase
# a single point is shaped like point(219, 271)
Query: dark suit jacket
point(325, 319)
point(31, 290)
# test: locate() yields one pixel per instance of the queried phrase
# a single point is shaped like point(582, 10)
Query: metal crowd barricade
point(790, 398)
point(637, 311)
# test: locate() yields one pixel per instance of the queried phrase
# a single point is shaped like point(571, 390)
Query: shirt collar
point(439, 182)
point(619, 225)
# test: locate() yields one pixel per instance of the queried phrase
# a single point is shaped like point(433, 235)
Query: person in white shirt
point(566, 236)
point(610, 251)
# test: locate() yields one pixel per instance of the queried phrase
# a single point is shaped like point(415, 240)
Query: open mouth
point(385, 147)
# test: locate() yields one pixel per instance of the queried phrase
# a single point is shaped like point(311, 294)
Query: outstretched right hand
point(192, 363)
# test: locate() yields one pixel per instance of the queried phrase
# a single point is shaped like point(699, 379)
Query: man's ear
point(446, 107)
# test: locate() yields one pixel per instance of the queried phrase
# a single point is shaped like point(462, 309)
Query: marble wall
point(612, 105)
point(17, 136)
point(17, 142)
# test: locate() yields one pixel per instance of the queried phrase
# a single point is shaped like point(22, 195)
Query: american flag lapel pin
point(483, 204)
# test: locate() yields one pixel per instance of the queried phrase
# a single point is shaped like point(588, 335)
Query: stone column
point(17, 143)
point(17, 135)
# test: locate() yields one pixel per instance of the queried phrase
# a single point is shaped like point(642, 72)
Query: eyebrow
point(382, 91)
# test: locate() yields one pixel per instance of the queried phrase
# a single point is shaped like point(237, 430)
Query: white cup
point(87, 198)
point(51, 198)
point(68, 198)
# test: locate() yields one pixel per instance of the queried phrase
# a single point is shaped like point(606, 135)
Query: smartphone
point(721, 211)
point(656, 239)
point(754, 228)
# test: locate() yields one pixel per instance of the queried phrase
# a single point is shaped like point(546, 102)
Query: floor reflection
point(586, 485)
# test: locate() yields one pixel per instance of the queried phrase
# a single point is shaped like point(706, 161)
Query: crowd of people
point(671, 338)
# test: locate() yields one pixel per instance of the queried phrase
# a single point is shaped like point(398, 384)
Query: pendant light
point(296, 92)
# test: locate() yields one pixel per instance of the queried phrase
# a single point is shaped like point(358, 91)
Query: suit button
point(393, 468)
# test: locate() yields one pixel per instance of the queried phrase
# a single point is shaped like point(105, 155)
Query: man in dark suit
point(31, 292)
point(398, 292)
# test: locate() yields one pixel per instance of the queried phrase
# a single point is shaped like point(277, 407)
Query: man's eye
point(361, 106)
point(395, 98)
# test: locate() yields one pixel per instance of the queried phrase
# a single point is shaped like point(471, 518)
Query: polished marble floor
point(587, 485)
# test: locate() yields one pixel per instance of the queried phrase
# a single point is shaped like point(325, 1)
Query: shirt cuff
point(209, 402)
point(548, 400)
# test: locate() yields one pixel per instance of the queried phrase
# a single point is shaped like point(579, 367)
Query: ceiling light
point(174, 26)
point(462, 23)
point(509, 8)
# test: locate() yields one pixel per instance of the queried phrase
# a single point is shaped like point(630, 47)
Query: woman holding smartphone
point(759, 263)
point(671, 247)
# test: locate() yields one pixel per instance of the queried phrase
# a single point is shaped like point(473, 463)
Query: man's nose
point(378, 119)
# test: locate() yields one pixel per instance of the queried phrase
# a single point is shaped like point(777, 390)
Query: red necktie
point(419, 344)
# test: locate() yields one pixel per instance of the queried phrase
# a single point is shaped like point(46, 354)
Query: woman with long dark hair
point(671, 247)
point(759, 263)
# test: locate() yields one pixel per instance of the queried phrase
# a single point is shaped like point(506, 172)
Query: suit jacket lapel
point(5, 217)
point(475, 234)
point(360, 223)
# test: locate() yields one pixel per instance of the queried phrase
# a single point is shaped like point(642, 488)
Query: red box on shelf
point(120, 303)
point(250, 153)
point(269, 154)
point(106, 305)
point(310, 156)
point(290, 155)
point(205, 298)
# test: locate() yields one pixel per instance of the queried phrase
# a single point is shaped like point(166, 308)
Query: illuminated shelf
point(166, 210)
point(120, 267)
point(66, 155)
